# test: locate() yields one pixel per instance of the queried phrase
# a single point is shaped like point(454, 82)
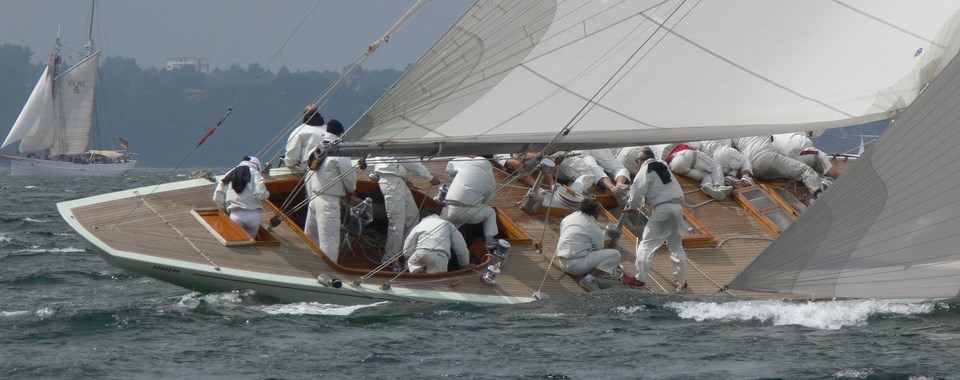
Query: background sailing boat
point(55, 124)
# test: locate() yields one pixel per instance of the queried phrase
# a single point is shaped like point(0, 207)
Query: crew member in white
point(334, 178)
point(581, 249)
point(768, 163)
point(241, 192)
point(402, 211)
point(470, 193)
point(305, 138)
point(656, 187)
point(427, 247)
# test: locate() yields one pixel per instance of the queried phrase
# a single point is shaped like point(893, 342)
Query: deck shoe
point(713, 191)
point(590, 286)
point(681, 288)
point(632, 281)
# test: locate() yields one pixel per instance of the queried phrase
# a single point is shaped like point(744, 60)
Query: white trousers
point(428, 260)
point(459, 215)
point(402, 212)
point(697, 165)
point(248, 219)
point(663, 226)
point(606, 260)
point(323, 224)
point(773, 165)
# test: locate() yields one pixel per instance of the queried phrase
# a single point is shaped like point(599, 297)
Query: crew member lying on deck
point(736, 168)
point(581, 167)
point(427, 247)
point(799, 146)
point(768, 163)
point(514, 164)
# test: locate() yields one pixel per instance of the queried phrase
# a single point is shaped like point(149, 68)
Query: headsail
point(36, 113)
point(654, 71)
point(887, 228)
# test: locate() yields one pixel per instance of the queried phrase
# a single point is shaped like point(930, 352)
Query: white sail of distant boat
point(861, 148)
point(887, 228)
point(55, 124)
point(629, 72)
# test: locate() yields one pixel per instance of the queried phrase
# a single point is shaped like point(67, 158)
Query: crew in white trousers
point(334, 178)
point(688, 161)
point(607, 159)
point(471, 191)
point(799, 146)
point(241, 192)
point(427, 247)
point(768, 163)
point(402, 211)
point(656, 187)
point(735, 168)
point(582, 168)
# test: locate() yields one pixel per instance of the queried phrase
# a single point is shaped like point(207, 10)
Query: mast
point(89, 47)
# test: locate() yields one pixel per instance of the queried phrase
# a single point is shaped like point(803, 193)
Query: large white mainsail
point(512, 72)
point(889, 227)
point(74, 102)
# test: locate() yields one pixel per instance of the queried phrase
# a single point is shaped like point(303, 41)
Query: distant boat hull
point(23, 166)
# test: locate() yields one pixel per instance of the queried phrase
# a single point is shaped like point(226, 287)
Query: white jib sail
point(658, 71)
point(37, 112)
point(888, 228)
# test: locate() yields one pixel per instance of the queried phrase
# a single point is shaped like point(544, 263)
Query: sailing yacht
point(55, 124)
point(551, 76)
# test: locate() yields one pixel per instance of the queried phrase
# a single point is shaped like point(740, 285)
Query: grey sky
point(232, 31)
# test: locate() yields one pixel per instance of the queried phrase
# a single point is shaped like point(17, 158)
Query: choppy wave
point(32, 220)
point(827, 315)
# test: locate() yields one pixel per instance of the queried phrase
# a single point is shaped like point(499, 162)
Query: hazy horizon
point(228, 32)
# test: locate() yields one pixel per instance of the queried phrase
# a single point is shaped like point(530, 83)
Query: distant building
point(198, 63)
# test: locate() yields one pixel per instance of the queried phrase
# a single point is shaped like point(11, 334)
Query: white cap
point(255, 161)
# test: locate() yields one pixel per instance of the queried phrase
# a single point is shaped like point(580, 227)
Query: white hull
point(22, 166)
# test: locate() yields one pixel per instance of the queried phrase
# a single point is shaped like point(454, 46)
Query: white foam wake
point(314, 308)
point(37, 249)
point(827, 315)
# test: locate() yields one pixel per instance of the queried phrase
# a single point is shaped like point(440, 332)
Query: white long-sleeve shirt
point(332, 168)
point(579, 235)
point(473, 183)
point(438, 236)
point(393, 166)
point(647, 188)
point(302, 142)
point(251, 196)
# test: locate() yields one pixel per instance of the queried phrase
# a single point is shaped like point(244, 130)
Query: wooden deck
point(161, 226)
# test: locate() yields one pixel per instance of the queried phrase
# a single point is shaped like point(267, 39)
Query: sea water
point(65, 313)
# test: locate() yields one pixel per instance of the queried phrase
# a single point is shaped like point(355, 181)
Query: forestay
point(642, 71)
point(889, 227)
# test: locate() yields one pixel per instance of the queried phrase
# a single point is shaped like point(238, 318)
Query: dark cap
point(334, 127)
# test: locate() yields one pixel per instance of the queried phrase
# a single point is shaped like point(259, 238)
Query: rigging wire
point(321, 100)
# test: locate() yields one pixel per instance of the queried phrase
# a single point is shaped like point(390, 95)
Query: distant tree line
point(164, 113)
